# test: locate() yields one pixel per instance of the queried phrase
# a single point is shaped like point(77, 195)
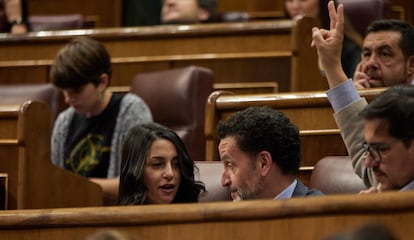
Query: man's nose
point(225, 180)
point(369, 161)
point(372, 61)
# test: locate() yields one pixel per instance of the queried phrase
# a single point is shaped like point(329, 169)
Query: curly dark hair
point(257, 129)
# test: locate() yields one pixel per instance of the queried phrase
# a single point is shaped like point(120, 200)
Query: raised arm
point(343, 96)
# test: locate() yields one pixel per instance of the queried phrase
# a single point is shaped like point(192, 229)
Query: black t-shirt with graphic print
point(88, 145)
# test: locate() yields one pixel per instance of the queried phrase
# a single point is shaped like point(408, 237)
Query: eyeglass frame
point(375, 150)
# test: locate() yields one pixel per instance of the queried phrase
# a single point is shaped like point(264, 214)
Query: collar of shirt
point(288, 192)
point(409, 186)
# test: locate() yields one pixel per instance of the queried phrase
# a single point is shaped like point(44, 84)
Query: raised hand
point(329, 45)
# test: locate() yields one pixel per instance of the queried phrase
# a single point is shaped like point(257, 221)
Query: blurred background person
point(368, 231)
point(141, 12)
point(293, 8)
point(188, 11)
point(13, 16)
point(351, 49)
point(109, 234)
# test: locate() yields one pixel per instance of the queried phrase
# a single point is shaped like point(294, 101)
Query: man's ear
point(264, 162)
point(104, 83)
point(203, 15)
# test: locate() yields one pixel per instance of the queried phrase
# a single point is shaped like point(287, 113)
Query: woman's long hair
point(132, 190)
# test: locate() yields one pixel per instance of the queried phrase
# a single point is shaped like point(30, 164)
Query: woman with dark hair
point(156, 168)
point(351, 49)
point(13, 16)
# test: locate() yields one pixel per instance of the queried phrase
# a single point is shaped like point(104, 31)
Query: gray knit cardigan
point(133, 110)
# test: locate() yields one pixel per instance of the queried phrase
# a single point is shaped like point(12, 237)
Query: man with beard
point(387, 55)
point(378, 136)
point(260, 150)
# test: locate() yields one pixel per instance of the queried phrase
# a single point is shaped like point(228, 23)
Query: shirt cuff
point(342, 95)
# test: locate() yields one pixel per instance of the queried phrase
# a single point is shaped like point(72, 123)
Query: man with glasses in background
point(386, 160)
point(389, 132)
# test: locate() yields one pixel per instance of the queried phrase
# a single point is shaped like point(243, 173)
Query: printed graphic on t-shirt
point(86, 154)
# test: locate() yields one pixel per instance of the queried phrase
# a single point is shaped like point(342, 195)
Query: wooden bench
point(311, 112)
point(275, 51)
point(3, 190)
point(312, 218)
point(105, 13)
point(399, 8)
point(108, 13)
point(242, 88)
point(33, 182)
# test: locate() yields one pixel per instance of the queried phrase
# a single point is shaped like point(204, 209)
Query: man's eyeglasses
point(375, 149)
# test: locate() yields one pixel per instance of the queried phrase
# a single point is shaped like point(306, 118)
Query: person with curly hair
point(260, 150)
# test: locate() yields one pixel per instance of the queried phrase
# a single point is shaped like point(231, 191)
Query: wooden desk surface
point(311, 218)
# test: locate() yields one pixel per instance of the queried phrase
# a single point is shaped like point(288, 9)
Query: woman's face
point(310, 8)
point(162, 172)
point(296, 8)
point(293, 8)
point(85, 100)
point(180, 11)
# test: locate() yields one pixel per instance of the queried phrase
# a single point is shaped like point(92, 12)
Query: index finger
point(359, 67)
point(336, 16)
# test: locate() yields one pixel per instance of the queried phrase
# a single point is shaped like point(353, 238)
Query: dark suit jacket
point(302, 191)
